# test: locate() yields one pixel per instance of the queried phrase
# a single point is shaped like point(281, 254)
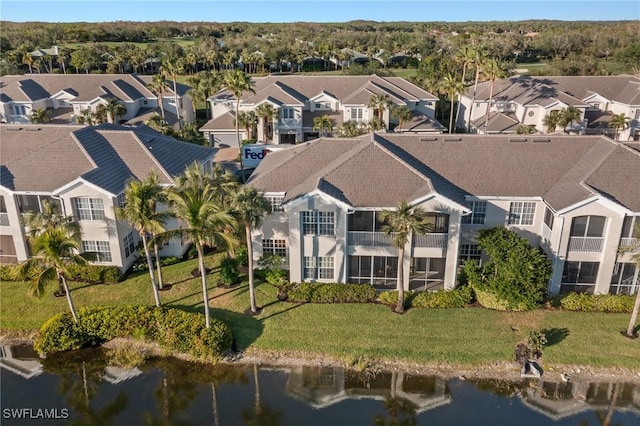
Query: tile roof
point(421, 123)
point(47, 157)
point(379, 170)
point(499, 122)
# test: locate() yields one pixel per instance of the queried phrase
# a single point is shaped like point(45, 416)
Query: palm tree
point(379, 102)
point(526, 130)
point(400, 224)
point(157, 86)
point(171, 68)
point(619, 122)
point(479, 58)
point(85, 117)
point(568, 115)
point(40, 116)
point(634, 249)
point(53, 251)
point(203, 85)
point(266, 112)
point(350, 129)
point(551, 121)
point(247, 120)
point(323, 124)
point(195, 202)
point(250, 208)
point(49, 218)
point(115, 108)
point(238, 82)
point(452, 88)
point(402, 114)
point(466, 56)
point(492, 70)
point(139, 211)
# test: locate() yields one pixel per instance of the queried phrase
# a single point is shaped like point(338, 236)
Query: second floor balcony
point(369, 239)
point(633, 244)
point(586, 244)
point(434, 240)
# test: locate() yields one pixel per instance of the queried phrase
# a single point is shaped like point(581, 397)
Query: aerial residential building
point(65, 96)
point(84, 170)
point(298, 100)
point(575, 197)
point(525, 100)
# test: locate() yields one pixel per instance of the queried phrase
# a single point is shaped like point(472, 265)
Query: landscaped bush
point(170, 260)
point(172, 329)
point(331, 293)
point(83, 273)
point(229, 271)
point(242, 256)
point(457, 298)
point(390, 298)
point(618, 303)
point(490, 300)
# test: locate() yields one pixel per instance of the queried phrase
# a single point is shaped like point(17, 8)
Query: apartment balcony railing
point(631, 242)
point(290, 122)
point(434, 240)
point(18, 119)
point(546, 233)
point(586, 244)
point(4, 219)
point(370, 239)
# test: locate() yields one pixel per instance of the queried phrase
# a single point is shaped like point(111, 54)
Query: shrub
point(84, 273)
point(490, 300)
point(536, 340)
point(229, 272)
point(616, 303)
point(242, 256)
point(172, 329)
point(332, 293)
point(457, 298)
point(170, 260)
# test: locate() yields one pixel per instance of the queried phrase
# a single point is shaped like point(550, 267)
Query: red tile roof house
point(526, 100)
point(575, 197)
point(299, 99)
point(66, 95)
point(84, 170)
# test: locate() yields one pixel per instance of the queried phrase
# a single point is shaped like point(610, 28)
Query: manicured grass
point(349, 331)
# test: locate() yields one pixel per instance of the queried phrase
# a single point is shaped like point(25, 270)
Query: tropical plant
point(237, 82)
point(323, 124)
point(493, 70)
point(634, 250)
point(479, 58)
point(465, 56)
point(526, 130)
point(159, 125)
point(402, 114)
point(401, 224)
point(140, 211)
point(568, 115)
point(249, 208)
point(619, 123)
point(171, 68)
point(203, 85)
point(351, 129)
point(85, 117)
point(50, 218)
point(157, 86)
point(196, 203)
point(266, 112)
point(452, 88)
point(248, 120)
point(379, 102)
point(115, 108)
point(551, 121)
point(40, 116)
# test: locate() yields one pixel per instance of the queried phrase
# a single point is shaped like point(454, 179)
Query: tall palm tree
point(139, 211)
point(157, 86)
point(249, 208)
point(400, 224)
point(452, 88)
point(619, 122)
point(247, 119)
point(492, 70)
point(237, 82)
point(479, 58)
point(53, 251)
point(171, 68)
point(203, 85)
point(323, 124)
point(85, 117)
point(115, 108)
point(465, 56)
point(49, 218)
point(379, 102)
point(266, 112)
point(195, 202)
point(40, 116)
point(634, 249)
point(402, 114)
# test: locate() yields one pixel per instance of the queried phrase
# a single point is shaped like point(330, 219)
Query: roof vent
point(518, 140)
point(541, 140)
point(452, 139)
point(33, 129)
point(432, 139)
point(14, 129)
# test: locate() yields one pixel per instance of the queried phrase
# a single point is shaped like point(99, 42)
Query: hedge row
point(457, 298)
point(85, 273)
point(172, 329)
point(616, 303)
point(331, 293)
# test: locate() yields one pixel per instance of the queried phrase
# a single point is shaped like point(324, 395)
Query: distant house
point(524, 100)
point(84, 170)
point(300, 99)
point(67, 95)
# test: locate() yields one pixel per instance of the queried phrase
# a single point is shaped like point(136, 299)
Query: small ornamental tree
point(516, 274)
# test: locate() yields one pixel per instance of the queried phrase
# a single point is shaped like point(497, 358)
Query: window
point(129, 245)
point(637, 116)
point(89, 208)
point(624, 279)
point(579, 277)
point(548, 218)
point(439, 222)
point(469, 252)
point(35, 203)
point(318, 268)
point(120, 200)
point(426, 273)
point(522, 213)
point(100, 249)
point(318, 223)
point(287, 113)
point(588, 226)
point(277, 247)
point(478, 213)
point(19, 110)
point(365, 220)
point(380, 271)
point(318, 105)
point(276, 202)
point(357, 114)
point(628, 227)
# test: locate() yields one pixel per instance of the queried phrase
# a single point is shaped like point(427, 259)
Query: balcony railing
point(4, 219)
point(586, 244)
point(434, 240)
point(631, 242)
point(370, 239)
point(18, 119)
point(290, 122)
point(546, 233)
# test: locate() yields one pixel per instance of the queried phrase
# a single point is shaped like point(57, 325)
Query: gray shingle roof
point(47, 157)
point(379, 170)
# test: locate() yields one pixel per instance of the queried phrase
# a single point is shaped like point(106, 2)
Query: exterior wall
point(11, 225)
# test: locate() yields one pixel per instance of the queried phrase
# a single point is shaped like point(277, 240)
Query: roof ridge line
point(400, 160)
point(84, 151)
point(148, 152)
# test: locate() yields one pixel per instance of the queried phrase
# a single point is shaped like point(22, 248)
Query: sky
point(316, 11)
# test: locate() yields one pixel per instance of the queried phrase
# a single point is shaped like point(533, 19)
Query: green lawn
point(455, 336)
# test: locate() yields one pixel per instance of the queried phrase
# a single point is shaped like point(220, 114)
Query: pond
point(80, 388)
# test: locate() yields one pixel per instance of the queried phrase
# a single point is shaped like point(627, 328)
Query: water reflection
point(173, 392)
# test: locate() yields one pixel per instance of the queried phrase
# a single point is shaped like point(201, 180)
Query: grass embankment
point(463, 337)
